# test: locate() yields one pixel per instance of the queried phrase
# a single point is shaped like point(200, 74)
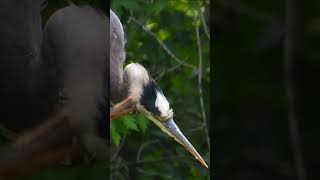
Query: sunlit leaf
point(163, 34)
point(151, 25)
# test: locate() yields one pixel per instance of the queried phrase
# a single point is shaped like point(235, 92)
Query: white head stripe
point(162, 104)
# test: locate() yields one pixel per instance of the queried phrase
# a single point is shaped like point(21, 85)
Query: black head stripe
point(148, 97)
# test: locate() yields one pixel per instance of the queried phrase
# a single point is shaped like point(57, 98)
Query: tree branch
point(161, 43)
point(200, 68)
point(204, 24)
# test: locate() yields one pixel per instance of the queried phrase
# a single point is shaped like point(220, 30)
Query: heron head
point(149, 99)
point(145, 93)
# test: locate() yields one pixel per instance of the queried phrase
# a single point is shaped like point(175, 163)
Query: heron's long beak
point(124, 107)
point(167, 126)
point(170, 127)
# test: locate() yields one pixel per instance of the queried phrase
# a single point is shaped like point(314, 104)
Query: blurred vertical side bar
point(289, 56)
point(105, 5)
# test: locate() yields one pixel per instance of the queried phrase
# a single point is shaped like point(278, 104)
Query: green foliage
point(123, 126)
point(115, 136)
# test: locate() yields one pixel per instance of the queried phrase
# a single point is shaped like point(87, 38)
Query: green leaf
point(130, 123)
point(158, 6)
point(115, 136)
point(120, 126)
point(181, 6)
point(151, 24)
point(163, 34)
point(142, 122)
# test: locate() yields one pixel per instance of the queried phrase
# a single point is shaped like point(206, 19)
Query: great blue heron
point(139, 91)
point(63, 70)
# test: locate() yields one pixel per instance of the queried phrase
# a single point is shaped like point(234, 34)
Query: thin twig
point(156, 174)
point(118, 148)
point(161, 43)
point(167, 71)
point(290, 91)
point(200, 67)
point(171, 69)
point(143, 146)
point(143, 162)
point(204, 24)
point(197, 128)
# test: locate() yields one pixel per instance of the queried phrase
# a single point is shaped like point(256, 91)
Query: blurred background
point(252, 133)
point(162, 36)
point(77, 171)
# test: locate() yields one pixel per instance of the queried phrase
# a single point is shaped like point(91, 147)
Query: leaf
point(151, 24)
point(181, 6)
point(120, 126)
point(163, 34)
point(142, 122)
point(130, 123)
point(115, 136)
point(158, 6)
